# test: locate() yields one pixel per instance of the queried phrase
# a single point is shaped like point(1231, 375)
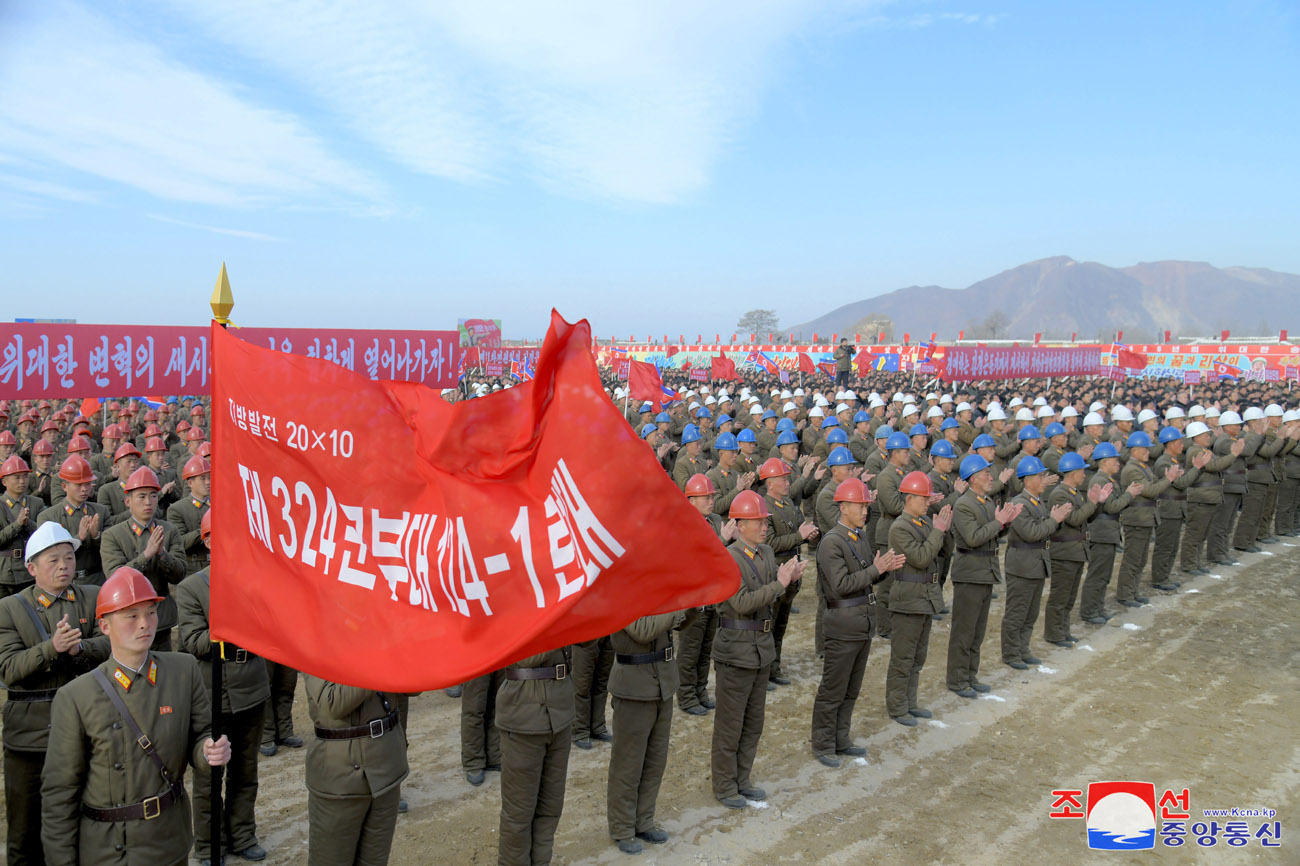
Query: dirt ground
point(1196, 690)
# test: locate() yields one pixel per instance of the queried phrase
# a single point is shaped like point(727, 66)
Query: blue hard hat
point(1029, 431)
point(970, 464)
point(861, 416)
point(1104, 450)
point(770, 413)
point(703, 412)
point(1056, 428)
point(898, 442)
point(723, 419)
point(884, 431)
point(830, 421)
point(646, 407)
point(725, 442)
point(983, 440)
point(690, 433)
point(949, 424)
point(1070, 461)
point(918, 430)
point(784, 424)
point(746, 435)
point(647, 429)
point(942, 448)
point(1169, 434)
point(841, 456)
point(1138, 439)
point(787, 437)
point(663, 418)
point(837, 437)
point(1029, 465)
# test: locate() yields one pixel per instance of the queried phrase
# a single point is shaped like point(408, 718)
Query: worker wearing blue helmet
point(748, 458)
point(1069, 553)
point(1171, 508)
point(1138, 520)
point(690, 458)
point(1103, 533)
point(1028, 564)
point(727, 480)
point(945, 482)
point(890, 503)
point(860, 442)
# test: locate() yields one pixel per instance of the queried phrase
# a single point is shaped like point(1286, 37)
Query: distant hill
point(1059, 296)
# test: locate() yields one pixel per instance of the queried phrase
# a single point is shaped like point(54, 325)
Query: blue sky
point(654, 167)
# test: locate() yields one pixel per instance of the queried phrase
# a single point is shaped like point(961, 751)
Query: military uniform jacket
point(966, 434)
point(783, 538)
point(746, 463)
point(888, 500)
point(1259, 453)
point(124, 544)
point(686, 466)
point(245, 683)
point(725, 481)
point(14, 535)
point(918, 540)
point(1207, 488)
point(187, 514)
point(1104, 527)
point(44, 486)
point(861, 447)
point(844, 571)
point(1234, 476)
point(648, 681)
point(93, 758)
point(827, 511)
point(1141, 510)
point(1067, 543)
point(1292, 463)
point(975, 531)
point(360, 767)
point(113, 494)
point(1027, 537)
point(537, 706)
point(1172, 503)
point(30, 664)
point(88, 559)
point(766, 440)
point(759, 588)
point(1006, 444)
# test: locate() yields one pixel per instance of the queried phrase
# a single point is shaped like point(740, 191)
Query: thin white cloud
point(234, 233)
point(45, 189)
point(80, 93)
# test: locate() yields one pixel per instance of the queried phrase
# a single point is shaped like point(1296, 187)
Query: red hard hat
point(696, 485)
point(154, 443)
point(916, 483)
point(50, 425)
point(198, 410)
point(205, 525)
point(126, 588)
point(773, 467)
point(196, 434)
point(77, 470)
point(44, 404)
point(748, 505)
point(182, 426)
point(81, 419)
point(78, 443)
point(151, 415)
point(15, 465)
point(7, 437)
point(196, 466)
point(142, 479)
point(152, 430)
point(112, 431)
point(126, 449)
point(204, 450)
point(852, 490)
point(127, 411)
point(42, 448)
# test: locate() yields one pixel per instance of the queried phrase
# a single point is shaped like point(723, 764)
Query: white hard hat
point(709, 401)
point(47, 535)
point(933, 395)
point(786, 395)
point(798, 392)
point(1096, 406)
point(910, 409)
point(1197, 411)
point(946, 398)
point(1290, 415)
point(1045, 412)
point(788, 407)
point(1093, 418)
point(1015, 401)
point(874, 396)
point(1212, 412)
point(618, 392)
point(1272, 410)
point(776, 392)
point(1229, 418)
point(839, 395)
point(1146, 415)
point(996, 413)
point(843, 407)
point(822, 401)
point(755, 409)
point(994, 404)
point(1040, 401)
point(815, 412)
point(850, 395)
point(1024, 413)
point(898, 397)
point(875, 401)
point(1174, 412)
point(934, 412)
point(722, 392)
point(1069, 412)
point(1121, 413)
point(963, 406)
point(1253, 413)
point(1196, 428)
point(695, 404)
point(744, 392)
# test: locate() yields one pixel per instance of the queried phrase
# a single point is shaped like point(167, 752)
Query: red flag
point(722, 367)
point(90, 405)
point(671, 350)
point(644, 383)
point(1131, 360)
point(806, 364)
point(373, 534)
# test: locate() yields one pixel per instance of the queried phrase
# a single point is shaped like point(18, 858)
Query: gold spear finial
point(222, 299)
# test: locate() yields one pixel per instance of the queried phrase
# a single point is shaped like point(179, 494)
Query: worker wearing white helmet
point(1253, 525)
point(1229, 440)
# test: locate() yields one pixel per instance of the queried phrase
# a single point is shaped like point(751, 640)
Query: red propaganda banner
point(482, 332)
point(1293, 372)
point(699, 374)
point(965, 364)
point(494, 369)
point(373, 534)
point(1191, 377)
point(622, 368)
point(53, 360)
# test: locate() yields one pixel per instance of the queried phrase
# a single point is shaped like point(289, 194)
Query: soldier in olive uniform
point(244, 693)
point(187, 514)
point(915, 596)
point(725, 476)
point(83, 519)
point(121, 736)
point(480, 742)
point(1203, 497)
point(42, 481)
point(1027, 563)
point(1068, 549)
point(787, 533)
point(1258, 454)
point(126, 459)
point(354, 774)
point(642, 684)
point(592, 662)
point(149, 546)
point(1171, 507)
point(1139, 518)
point(695, 634)
point(690, 461)
point(48, 637)
point(1229, 441)
point(889, 502)
point(1103, 533)
point(18, 520)
point(744, 651)
point(535, 711)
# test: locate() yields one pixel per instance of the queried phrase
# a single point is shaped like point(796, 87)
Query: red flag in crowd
point(722, 367)
point(370, 533)
point(89, 406)
point(644, 383)
point(806, 364)
point(1131, 360)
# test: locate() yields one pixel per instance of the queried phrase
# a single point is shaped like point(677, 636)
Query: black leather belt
point(973, 552)
point(1216, 483)
point(550, 672)
point(31, 696)
point(143, 811)
point(1066, 537)
point(1027, 545)
point(1172, 497)
point(746, 624)
point(912, 577)
point(1234, 472)
point(1142, 503)
point(374, 729)
point(855, 601)
point(1107, 517)
point(663, 655)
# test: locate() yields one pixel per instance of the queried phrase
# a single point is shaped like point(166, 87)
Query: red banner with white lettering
point(966, 363)
point(373, 534)
point(61, 360)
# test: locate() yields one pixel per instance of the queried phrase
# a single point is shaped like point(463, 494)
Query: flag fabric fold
point(722, 367)
point(370, 533)
point(644, 383)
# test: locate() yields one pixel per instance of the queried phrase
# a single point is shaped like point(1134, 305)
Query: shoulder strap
point(36, 620)
point(141, 739)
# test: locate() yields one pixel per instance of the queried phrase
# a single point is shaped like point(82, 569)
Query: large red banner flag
point(370, 533)
point(723, 368)
point(644, 383)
